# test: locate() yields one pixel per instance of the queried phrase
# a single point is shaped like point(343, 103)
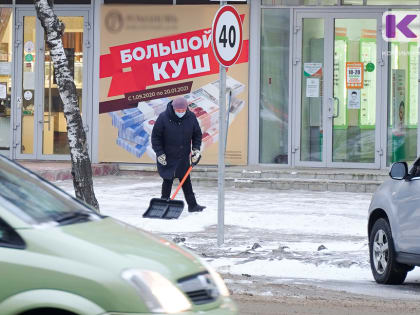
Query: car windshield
point(36, 201)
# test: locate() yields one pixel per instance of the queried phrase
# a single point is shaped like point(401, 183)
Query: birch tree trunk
point(80, 161)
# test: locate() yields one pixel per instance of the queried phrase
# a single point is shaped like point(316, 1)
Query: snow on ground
point(288, 269)
point(292, 236)
point(289, 212)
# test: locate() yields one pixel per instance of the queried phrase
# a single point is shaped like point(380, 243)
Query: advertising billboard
point(149, 55)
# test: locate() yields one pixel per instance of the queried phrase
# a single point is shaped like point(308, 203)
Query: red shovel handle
point(182, 182)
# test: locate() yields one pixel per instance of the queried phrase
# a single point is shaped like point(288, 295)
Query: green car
point(58, 256)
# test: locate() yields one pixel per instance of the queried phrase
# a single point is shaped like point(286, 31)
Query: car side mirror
point(399, 170)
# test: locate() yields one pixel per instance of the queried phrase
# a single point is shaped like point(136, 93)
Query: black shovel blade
point(164, 209)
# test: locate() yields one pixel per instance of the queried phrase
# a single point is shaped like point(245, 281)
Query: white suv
point(394, 225)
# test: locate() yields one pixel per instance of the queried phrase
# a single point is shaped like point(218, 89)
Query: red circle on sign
point(219, 13)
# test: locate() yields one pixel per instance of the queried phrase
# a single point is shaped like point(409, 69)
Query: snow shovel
point(167, 208)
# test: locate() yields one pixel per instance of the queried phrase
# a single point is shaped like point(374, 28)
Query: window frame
point(23, 172)
point(16, 241)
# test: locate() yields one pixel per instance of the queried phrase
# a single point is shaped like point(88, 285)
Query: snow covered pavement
point(314, 238)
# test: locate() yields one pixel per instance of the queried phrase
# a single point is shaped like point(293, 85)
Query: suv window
point(9, 237)
point(36, 201)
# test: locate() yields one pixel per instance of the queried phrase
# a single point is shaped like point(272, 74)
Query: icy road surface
point(281, 237)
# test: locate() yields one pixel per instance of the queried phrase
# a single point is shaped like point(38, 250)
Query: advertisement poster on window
point(398, 101)
point(312, 87)
point(149, 55)
point(354, 75)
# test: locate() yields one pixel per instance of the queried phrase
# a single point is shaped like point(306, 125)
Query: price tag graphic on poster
point(354, 75)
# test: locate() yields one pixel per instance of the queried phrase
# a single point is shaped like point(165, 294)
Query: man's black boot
point(192, 204)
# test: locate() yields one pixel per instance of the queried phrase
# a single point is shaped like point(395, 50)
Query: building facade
point(319, 84)
point(306, 93)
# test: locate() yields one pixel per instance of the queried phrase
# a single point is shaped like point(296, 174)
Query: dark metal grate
point(200, 288)
point(200, 297)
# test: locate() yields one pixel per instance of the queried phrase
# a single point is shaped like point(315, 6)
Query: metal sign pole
point(229, 91)
point(221, 162)
point(221, 165)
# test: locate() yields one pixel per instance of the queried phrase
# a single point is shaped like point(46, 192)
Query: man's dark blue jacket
point(174, 136)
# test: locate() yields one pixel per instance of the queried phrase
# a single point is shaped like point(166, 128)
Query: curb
point(204, 178)
point(64, 173)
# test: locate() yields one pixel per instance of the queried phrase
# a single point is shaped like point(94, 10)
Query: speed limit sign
point(227, 35)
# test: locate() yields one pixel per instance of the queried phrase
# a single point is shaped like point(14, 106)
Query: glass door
point(41, 129)
point(54, 134)
point(355, 92)
point(27, 87)
point(310, 150)
point(337, 89)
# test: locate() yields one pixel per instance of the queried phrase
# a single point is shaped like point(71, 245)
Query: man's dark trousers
point(167, 187)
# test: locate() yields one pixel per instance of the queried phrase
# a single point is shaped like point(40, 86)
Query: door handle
point(338, 107)
point(331, 108)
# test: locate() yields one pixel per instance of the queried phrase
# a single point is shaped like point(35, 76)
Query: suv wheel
point(384, 267)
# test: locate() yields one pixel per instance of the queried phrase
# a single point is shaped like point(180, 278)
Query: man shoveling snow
point(175, 132)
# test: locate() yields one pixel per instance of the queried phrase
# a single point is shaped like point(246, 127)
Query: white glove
point(162, 159)
point(195, 156)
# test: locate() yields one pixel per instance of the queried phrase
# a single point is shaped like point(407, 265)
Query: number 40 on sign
point(227, 35)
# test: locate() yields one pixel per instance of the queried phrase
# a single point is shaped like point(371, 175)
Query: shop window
point(339, 2)
point(298, 2)
point(55, 131)
point(312, 81)
point(354, 119)
point(402, 101)
point(72, 1)
point(393, 2)
point(274, 95)
point(55, 1)
point(6, 1)
point(170, 2)
point(6, 46)
point(207, 2)
point(138, 2)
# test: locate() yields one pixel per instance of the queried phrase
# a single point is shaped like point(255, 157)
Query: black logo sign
point(114, 21)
